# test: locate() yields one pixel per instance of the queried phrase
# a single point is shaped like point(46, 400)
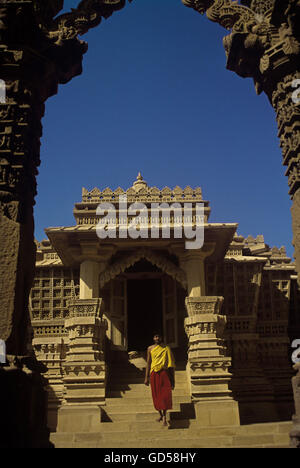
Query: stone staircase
point(129, 421)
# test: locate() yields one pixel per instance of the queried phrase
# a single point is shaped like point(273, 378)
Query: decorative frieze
point(207, 305)
point(143, 253)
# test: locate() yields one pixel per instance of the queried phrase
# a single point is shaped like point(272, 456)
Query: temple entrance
point(145, 312)
point(141, 301)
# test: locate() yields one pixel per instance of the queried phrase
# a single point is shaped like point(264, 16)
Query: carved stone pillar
point(89, 279)
point(38, 51)
point(208, 363)
point(20, 130)
point(31, 67)
point(84, 370)
point(192, 262)
point(51, 352)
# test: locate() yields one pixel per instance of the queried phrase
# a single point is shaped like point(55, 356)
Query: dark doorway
point(144, 308)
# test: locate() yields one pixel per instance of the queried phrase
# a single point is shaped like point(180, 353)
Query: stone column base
point(217, 413)
point(73, 418)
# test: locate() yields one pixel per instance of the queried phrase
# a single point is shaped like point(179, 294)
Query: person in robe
point(161, 376)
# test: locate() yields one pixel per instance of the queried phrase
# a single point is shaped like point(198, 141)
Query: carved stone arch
point(159, 260)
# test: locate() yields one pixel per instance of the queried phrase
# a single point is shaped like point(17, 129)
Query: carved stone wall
point(53, 288)
point(259, 304)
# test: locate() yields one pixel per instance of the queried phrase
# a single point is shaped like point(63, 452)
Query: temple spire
point(139, 183)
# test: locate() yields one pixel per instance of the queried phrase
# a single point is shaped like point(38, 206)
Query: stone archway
point(159, 260)
point(40, 50)
point(135, 280)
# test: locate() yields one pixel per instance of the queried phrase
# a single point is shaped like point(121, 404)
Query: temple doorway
point(145, 312)
point(141, 301)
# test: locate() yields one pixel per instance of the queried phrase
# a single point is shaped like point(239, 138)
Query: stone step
point(117, 408)
point(137, 432)
point(141, 401)
point(117, 386)
point(143, 392)
point(178, 415)
point(127, 417)
point(255, 436)
point(263, 441)
point(130, 380)
point(123, 371)
point(251, 429)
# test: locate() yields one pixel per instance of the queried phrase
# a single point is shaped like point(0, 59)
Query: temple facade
point(229, 310)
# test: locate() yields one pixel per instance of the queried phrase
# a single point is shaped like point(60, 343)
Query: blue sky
point(155, 97)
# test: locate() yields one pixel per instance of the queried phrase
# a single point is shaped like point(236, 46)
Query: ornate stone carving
point(87, 15)
point(207, 360)
point(84, 369)
point(207, 305)
point(51, 351)
point(86, 330)
point(158, 260)
point(141, 192)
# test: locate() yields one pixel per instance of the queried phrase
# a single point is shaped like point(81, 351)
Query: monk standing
point(160, 374)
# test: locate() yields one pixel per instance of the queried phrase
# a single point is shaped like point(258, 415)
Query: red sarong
point(161, 390)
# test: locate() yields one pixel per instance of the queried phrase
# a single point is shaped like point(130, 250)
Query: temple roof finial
point(139, 183)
